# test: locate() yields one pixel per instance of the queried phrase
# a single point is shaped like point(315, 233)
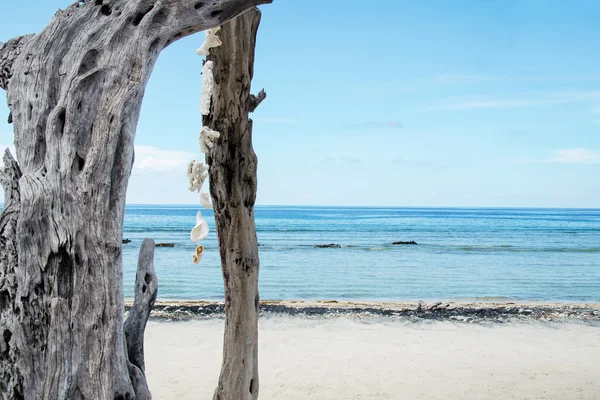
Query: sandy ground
point(346, 358)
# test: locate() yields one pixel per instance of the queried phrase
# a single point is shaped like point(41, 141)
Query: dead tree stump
point(233, 182)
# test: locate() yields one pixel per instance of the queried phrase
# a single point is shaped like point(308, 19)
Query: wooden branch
point(146, 289)
point(212, 13)
point(9, 52)
point(10, 387)
point(9, 179)
point(254, 101)
point(140, 385)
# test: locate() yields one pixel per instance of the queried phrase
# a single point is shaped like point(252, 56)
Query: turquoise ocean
point(476, 254)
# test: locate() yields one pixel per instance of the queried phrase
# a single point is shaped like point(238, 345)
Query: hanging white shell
point(197, 255)
point(200, 231)
point(205, 201)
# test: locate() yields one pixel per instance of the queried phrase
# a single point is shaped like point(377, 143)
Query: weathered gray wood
point(233, 184)
point(146, 289)
point(254, 101)
point(9, 52)
point(9, 257)
point(75, 92)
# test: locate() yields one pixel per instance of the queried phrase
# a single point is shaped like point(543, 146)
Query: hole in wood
point(160, 17)
point(7, 336)
point(140, 16)
point(61, 120)
point(89, 62)
point(77, 259)
point(78, 163)
point(105, 10)
point(216, 13)
point(64, 271)
point(198, 5)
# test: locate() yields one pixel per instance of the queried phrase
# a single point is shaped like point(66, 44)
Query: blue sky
point(401, 103)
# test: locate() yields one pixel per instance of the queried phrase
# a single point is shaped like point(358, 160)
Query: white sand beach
point(350, 358)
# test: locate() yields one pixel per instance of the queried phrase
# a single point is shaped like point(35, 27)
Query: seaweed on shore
point(460, 313)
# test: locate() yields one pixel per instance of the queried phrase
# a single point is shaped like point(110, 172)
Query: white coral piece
point(208, 85)
point(200, 231)
point(197, 255)
point(207, 139)
point(196, 175)
point(211, 40)
point(205, 201)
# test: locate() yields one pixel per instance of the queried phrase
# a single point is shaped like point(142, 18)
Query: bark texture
point(75, 92)
point(10, 378)
point(233, 165)
point(146, 289)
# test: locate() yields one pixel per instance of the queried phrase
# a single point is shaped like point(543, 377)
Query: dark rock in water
point(411, 242)
point(328, 246)
point(165, 245)
point(125, 241)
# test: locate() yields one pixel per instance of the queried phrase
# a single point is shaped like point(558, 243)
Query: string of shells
point(198, 171)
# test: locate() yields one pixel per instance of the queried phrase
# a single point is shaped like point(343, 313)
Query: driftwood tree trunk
point(146, 289)
point(232, 172)
point(75, 92)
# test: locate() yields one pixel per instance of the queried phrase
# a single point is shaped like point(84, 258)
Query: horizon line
point(374, 206)
point(371, 206)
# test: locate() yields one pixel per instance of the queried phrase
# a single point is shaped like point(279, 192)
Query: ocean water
point(522, 254)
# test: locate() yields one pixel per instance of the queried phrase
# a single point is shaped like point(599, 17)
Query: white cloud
point(415, 163)
point(351, 160)
point(596, 110)
point(524, 76)
point(577, 156)
point(431, 194)
point(345, 160)
point(532, 100)
point(395, 124)
point(328, 161)
point(465, 78)
point(491, 104)
point(150, 159)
